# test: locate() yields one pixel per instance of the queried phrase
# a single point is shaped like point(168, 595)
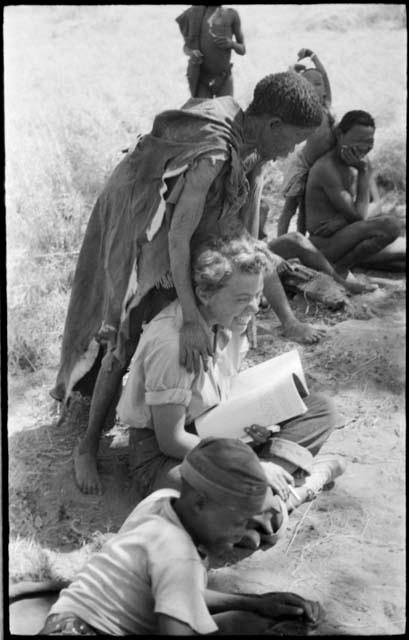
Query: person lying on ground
point(211, 33)
point(161, 400)
point(150, 578)
point(341, 223)
point(186, 180)
point(315, 146)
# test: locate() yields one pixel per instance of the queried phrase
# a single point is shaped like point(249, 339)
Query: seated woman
point(342, 223)
point(161, 399)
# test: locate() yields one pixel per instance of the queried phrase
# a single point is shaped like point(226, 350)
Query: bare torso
point(216, 22)
point(318, 205)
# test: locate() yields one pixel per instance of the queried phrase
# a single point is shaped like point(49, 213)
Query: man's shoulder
point(158, 525)
point(208, 105)
point(154, 506)
point(324, 166)
point(231, 13)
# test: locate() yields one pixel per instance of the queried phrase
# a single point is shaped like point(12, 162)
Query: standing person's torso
point(216, 22)
point(318, 205)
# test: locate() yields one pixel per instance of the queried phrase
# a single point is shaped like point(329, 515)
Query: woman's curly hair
point(215, 261)
point(288, 96)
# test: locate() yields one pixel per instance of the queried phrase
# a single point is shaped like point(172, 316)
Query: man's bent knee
point(290, 244)
point(389, 227)
point(296, 237)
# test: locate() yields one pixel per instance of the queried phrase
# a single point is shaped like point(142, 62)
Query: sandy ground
point(346, 548)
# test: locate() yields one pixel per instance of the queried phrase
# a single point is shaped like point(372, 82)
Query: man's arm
point(195, 54)
point(169, 424)
point(352, 209)
point(308, 53)
point(195, 336)
point(229, 43)
point(268, 604)
point(250, 212)
point(320, 67)
point(273, 289)
point(183, 22)
point(168, 626)
point(376, 202)
point(239, 46)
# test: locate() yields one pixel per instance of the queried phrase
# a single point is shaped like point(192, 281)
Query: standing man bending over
point(340, 220)
point(211, 33)
point(194, 175)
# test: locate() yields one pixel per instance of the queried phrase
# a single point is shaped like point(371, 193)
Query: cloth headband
point(248, 497)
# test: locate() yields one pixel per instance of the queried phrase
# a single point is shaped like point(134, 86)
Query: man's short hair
point(215, 260)
point(288, 96)
point(357, 117)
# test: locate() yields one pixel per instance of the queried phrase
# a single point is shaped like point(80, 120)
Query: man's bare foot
point(85, 469)
point(303, 332)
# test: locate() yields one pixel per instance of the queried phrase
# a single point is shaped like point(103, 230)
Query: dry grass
point(32, 562)
point(94, 77)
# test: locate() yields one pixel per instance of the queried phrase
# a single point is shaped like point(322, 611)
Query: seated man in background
point(150, 578)
point(339, 218)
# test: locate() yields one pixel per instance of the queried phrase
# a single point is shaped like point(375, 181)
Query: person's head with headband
point(223, 486)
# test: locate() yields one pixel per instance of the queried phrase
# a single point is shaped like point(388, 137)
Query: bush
point(389, 160)
point(343, 18)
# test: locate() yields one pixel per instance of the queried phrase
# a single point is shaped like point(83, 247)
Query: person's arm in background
point(308, 53)
point(376, 202)
point(273, 288)
point(168, 626)
point(236, 44)
point(183, 22)
point(239, 46)
point(194, 54)
point(195, 337)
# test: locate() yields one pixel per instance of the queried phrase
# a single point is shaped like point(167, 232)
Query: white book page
point(265, 400)
point(271, 370)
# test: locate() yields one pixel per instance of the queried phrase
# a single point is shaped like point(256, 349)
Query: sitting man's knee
point(393, 228)
point(297, 237)
point(389, 227)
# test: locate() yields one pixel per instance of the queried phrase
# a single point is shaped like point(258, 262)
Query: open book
point(266, 395)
